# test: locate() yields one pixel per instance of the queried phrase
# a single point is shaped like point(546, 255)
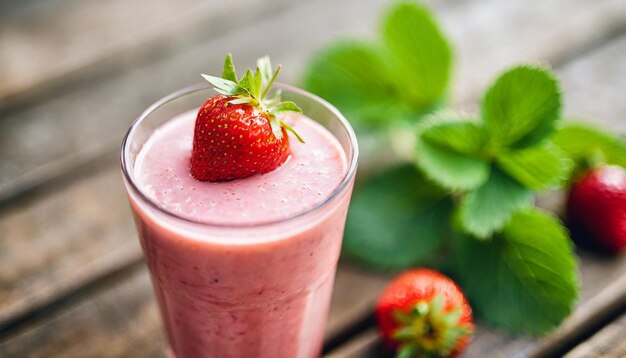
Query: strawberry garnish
point(239, 133)
point(423, 313)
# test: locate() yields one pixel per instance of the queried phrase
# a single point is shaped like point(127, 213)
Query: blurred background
point(75, 73)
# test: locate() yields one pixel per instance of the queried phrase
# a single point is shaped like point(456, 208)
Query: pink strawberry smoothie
point(243, 268)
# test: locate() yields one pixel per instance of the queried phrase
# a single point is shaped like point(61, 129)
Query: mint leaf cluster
point(488, 170)
point(498, 161)
point(464, 203)
point(401, 76)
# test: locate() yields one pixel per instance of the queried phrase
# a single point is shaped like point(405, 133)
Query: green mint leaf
point(222, 86)
point(229, 69)
point(225, 93)
point(286, 106)
point(486, 209)
point(585, 144)
point(355, 78)
point(396, 219)
point(247, 82)
point(256, 84)
point(421, 55)
point(523, 280)
point(538, 167)
point(265, 65)
point(462, 136)
point(448, 168)
point(521, 107)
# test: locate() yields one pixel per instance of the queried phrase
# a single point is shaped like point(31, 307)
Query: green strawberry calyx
point(253, 89)
point(428, 330)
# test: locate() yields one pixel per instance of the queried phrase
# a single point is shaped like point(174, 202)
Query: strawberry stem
point(428, 329)
point(228, 73)
point(249, 90)
point(290, 129)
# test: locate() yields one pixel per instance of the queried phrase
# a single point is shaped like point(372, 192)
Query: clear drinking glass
point(252, 290)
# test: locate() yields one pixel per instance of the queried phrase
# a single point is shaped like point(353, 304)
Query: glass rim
point(346, 180)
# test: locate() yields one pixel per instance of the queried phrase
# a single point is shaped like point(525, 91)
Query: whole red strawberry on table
point(596, 208)
point(238, 133)
point(596, 200)
point(423, 313)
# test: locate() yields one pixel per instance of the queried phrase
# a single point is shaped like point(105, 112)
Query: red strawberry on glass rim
point(239, 133)
point(423, 313)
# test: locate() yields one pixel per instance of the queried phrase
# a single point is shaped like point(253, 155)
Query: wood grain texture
point(83, 36)
point(88, 120)
point(62, 241)
point(355, 293)
point(610, 342)
point(595, 312)
point(34, 276)
point(499, 34)
point(366, 345)
point(120, 319)
point(46, 243)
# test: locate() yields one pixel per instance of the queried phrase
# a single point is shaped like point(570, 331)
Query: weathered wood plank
point(354, 295)
point(71, 258)
point(497, 34)
point(84, 35)
point(609, 342)
point(366, 345)
point(595, 87)
point(84, 226)
point(120, 319)
point(91, 118)
point(34, 276)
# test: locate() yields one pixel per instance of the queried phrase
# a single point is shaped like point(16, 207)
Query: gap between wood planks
point(614, 32)
point(606, 307)
point(119, 273)
point(98, 284)
point(609, 342)
point(348, 333)
point(59, 174)
point(65, 171)
point(101, 282)
point(149, 50)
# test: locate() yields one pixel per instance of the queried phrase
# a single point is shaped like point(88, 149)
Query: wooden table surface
point(75, 73)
